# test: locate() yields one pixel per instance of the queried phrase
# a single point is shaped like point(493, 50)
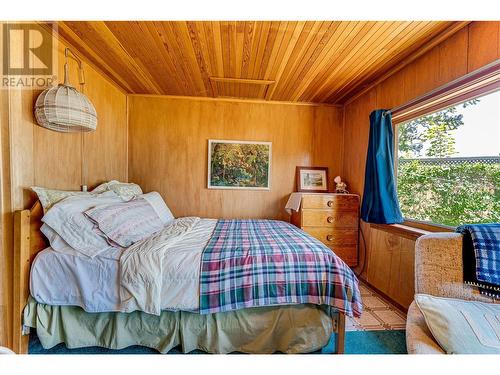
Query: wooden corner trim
point(236, 100)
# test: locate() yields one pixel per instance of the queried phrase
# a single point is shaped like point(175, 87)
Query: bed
point(98, 314)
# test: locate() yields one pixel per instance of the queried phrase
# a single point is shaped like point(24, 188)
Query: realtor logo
point(29, 54)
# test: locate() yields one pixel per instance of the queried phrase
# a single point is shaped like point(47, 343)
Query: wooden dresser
point(333, 219)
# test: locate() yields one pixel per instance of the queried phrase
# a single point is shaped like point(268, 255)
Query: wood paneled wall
point(168, 139)
point(31, 155)
point(471, 48)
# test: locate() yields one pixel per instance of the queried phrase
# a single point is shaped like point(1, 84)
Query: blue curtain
point(380, 200)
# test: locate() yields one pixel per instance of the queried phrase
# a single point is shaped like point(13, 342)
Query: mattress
point(94, 284)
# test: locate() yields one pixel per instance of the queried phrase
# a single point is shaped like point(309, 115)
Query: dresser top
point(332, 193)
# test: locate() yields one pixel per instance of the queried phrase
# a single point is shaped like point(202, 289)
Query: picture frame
point(312, 179)
point(234, 164)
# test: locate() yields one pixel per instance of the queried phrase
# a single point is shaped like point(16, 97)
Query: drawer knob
point(330, 219)
point(330, 204)
point(329, 238)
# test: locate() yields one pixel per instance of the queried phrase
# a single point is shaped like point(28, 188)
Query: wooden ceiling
point(323, 62)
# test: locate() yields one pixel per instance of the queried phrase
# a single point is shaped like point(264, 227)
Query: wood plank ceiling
point(323, 62)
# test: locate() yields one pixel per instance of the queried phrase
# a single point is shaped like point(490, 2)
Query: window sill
point(401, 230)
point(428, 226)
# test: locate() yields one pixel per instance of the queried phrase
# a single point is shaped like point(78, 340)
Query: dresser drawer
point(344, 243)
point(329, 218)
point(333, 201)
point(334, 237)
point(349, 254)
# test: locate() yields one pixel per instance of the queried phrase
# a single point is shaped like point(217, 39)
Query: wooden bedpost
point(340, 337)
point(28, 241)
point(21, 277)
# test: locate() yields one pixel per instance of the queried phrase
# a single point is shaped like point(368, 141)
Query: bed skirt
point(287, 329)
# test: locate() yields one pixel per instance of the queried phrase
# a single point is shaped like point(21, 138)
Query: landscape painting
point(239, 164)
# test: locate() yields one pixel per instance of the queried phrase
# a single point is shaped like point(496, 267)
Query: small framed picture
point(312, 179)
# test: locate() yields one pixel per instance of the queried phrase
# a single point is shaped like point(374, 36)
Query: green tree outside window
point(444, 192)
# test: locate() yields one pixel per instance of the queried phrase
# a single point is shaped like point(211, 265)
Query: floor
point(378, 314)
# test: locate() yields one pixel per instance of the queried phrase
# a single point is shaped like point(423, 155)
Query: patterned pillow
point(125, 190)
point(49, 197)
point(126, 222)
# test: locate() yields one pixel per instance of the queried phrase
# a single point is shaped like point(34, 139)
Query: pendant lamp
point(62, 108)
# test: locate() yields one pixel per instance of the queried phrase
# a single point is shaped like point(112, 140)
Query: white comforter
point(94, 284)
point(141, 265)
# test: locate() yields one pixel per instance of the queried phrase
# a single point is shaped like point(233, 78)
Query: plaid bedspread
point(250, 263)
point(482, 255)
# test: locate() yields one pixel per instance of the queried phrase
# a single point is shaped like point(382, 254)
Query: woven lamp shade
point(64, 109)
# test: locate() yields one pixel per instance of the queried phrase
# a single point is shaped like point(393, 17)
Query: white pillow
point(125, 190)
point(56, 241)
point(59, 245)
point(460, 326)
point(66, 218)
point(159, 205)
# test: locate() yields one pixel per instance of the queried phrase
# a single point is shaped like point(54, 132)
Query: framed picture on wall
point(312, 179)
point(239, 164)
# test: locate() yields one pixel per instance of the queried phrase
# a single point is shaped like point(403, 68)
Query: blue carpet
point(357, 342)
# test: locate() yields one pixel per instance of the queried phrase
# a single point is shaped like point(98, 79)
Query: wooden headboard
point(28, 241)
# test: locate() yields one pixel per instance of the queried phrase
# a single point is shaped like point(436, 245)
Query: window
point(448, 164)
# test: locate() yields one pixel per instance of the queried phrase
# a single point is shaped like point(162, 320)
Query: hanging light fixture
point(62, 108)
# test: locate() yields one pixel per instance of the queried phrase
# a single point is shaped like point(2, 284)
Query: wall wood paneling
point(388, 266)
point(168, 150)
point(31, 155)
